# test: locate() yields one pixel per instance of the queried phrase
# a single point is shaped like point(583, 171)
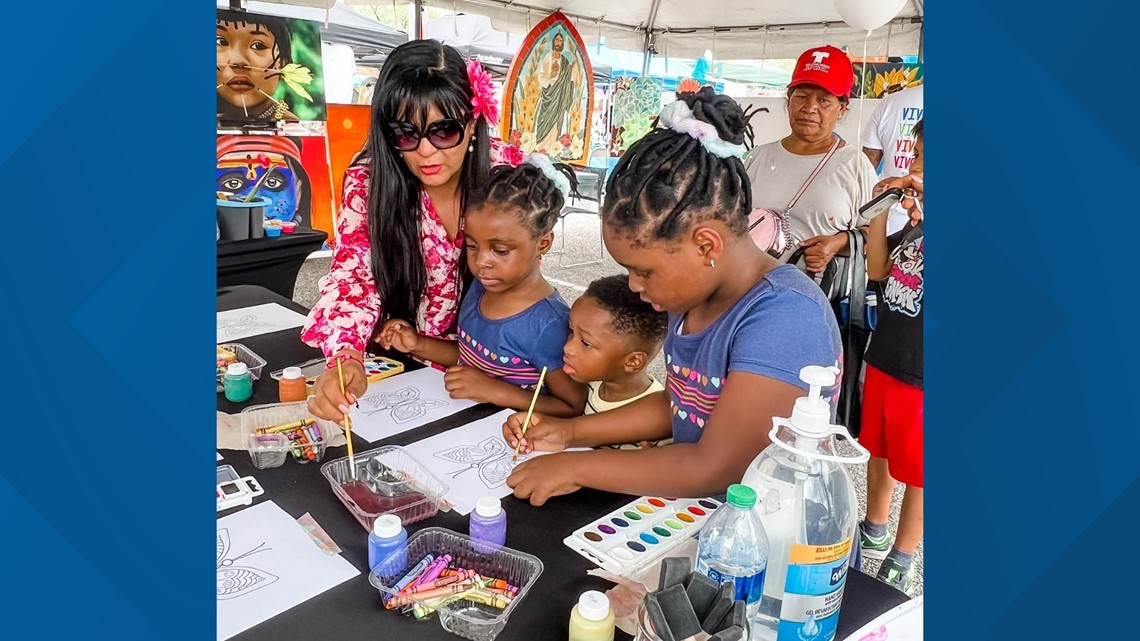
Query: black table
point(272, 263)
point(353, 610)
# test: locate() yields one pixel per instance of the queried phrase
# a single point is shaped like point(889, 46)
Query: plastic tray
point(401, 475)
point(244, 355)
point(262, 450)
point(468, 619)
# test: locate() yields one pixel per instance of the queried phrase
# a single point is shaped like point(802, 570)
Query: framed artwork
point(549, 95)
point(880, 79)
point(269, 69)
point(298, 181)
point(348, 131)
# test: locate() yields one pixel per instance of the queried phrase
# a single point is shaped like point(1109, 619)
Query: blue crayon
point(411, 575)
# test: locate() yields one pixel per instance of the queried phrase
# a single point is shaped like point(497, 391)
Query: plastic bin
point(271, 450)
point(396, 483)
point(244, 355)
point(468, 619)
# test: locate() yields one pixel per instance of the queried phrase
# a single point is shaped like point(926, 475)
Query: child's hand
point(912, 186)
point(463, 382)
point(399, 335)
point(546, 476)
point(545, 434)
point(819, 250)
point(327, 402)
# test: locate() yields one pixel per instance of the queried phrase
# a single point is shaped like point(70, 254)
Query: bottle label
point(813, 591)
point(748, 588)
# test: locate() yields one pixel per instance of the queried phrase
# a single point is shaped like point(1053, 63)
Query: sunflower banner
point(880, 79)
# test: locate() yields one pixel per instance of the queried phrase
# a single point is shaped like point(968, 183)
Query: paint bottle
point(292, 388)
point(238, 383)
point(388, 535)
point(592, 619)
point(808, 507)
point(488, 525)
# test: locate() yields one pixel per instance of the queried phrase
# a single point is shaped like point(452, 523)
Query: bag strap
point(814, 173)
point(857, 297)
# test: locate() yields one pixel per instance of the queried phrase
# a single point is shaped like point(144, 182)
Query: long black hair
point(417, 76)
point(666, 181)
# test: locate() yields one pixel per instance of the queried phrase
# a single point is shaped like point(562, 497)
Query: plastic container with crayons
point(388, 480)
point(467, 618)
point(275, 432)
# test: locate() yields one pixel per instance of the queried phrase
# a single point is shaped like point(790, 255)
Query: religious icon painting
point(549, 95)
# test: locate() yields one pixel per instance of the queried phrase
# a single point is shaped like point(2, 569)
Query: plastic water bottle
point(734, 547)
point(808, 507)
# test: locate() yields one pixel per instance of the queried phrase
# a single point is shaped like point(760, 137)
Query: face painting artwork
point(244, 161)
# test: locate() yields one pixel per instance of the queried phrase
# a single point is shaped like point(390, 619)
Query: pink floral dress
point(348, 306)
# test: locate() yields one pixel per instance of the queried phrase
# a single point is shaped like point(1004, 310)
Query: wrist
point(343, 357)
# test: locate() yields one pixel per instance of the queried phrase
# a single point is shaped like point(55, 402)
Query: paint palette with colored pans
point(644, 530)
point(378, 367)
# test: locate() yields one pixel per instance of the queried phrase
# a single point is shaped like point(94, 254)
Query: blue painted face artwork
point(282, 187)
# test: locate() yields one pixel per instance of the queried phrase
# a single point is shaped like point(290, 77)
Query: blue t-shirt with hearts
point(782, 324)
point(516, 348)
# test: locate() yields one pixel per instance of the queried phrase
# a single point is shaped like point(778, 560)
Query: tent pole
point(419, 19)
point(649, 36)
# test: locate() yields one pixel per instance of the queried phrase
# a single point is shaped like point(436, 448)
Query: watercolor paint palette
point(378, 367)
point(640, 532)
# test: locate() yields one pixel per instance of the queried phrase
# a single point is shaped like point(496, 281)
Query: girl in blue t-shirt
point(512, 323)
point(741, 325)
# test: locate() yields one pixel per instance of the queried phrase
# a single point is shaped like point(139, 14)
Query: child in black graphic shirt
point(892, 391)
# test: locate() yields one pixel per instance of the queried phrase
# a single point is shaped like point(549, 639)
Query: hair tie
point(679, 117)
point(482, 93)
point(561, 182)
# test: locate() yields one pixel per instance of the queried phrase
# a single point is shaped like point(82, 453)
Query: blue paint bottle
point(388, 536)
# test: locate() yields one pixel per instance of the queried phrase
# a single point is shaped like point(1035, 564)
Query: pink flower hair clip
point(483, 101)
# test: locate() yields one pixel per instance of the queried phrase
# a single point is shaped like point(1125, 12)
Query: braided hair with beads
point(667, 180)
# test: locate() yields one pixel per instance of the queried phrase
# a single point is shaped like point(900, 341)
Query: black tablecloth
point(272, 263)
point(353, 610)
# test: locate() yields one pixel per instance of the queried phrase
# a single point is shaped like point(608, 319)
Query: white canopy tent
point(731, 29)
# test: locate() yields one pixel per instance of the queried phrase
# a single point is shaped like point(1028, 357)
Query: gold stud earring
point(712, 263)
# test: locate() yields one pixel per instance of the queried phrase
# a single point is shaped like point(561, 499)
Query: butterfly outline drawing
point(241, 326)
point(491, 457)
point(235, 580)
point(405, 404)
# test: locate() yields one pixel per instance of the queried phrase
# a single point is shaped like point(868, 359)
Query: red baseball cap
point(825, 67)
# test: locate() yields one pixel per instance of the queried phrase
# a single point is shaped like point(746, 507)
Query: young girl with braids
point(741, 325)
point(512, 323)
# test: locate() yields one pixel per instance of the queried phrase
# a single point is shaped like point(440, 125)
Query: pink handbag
point(769, 228)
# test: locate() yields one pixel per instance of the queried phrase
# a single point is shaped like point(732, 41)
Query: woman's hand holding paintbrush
point(327, 401)
point(545, 434)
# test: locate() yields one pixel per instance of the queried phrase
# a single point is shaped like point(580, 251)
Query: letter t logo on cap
point(820, 56)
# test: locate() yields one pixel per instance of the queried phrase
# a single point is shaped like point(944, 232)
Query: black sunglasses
point(442, 134)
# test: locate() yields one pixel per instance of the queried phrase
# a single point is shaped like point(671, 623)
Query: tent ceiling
point(732, 29)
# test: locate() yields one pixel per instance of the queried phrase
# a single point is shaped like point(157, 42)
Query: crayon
point(432, 572)
point(284, 427)
point(424, 609)
point(411, 575)
point(492, 599)
point(430, 595)
point(438, 583)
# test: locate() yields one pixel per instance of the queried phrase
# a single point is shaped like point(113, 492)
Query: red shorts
point(892, 425)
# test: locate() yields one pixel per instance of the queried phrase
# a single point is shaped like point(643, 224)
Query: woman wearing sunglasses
point(399, 248)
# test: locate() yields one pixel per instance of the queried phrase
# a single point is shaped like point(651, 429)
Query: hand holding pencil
point(545, 433)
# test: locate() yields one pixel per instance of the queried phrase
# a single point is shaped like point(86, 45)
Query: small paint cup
point(272, 232)
point(288, 227)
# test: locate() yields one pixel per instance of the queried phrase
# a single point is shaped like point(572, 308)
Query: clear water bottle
point(734, 547)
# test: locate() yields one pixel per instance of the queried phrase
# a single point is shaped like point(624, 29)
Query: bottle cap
point(237, 369)
point(292, 373)
point(488, 507)
point(387, 526)
point(741, 496)
point(593, 605)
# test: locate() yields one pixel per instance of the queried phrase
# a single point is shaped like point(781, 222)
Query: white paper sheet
point(253, 321)
point(403, 402)
point(473, 460)
point(901, 623)
point(267, 564)
point(219, 456)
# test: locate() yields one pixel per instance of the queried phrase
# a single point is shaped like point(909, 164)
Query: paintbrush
point(260, 181)
point(526, 423)
point(347, 424)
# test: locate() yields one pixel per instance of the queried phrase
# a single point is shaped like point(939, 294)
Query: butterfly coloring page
point(253, 321)
point(491, 457)
point(403, 402)
point(236, 580)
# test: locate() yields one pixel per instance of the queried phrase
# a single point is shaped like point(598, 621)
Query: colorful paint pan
point(640, 532)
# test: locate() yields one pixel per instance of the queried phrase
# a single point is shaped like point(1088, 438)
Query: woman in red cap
point(837, 176)
point(400, 241)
